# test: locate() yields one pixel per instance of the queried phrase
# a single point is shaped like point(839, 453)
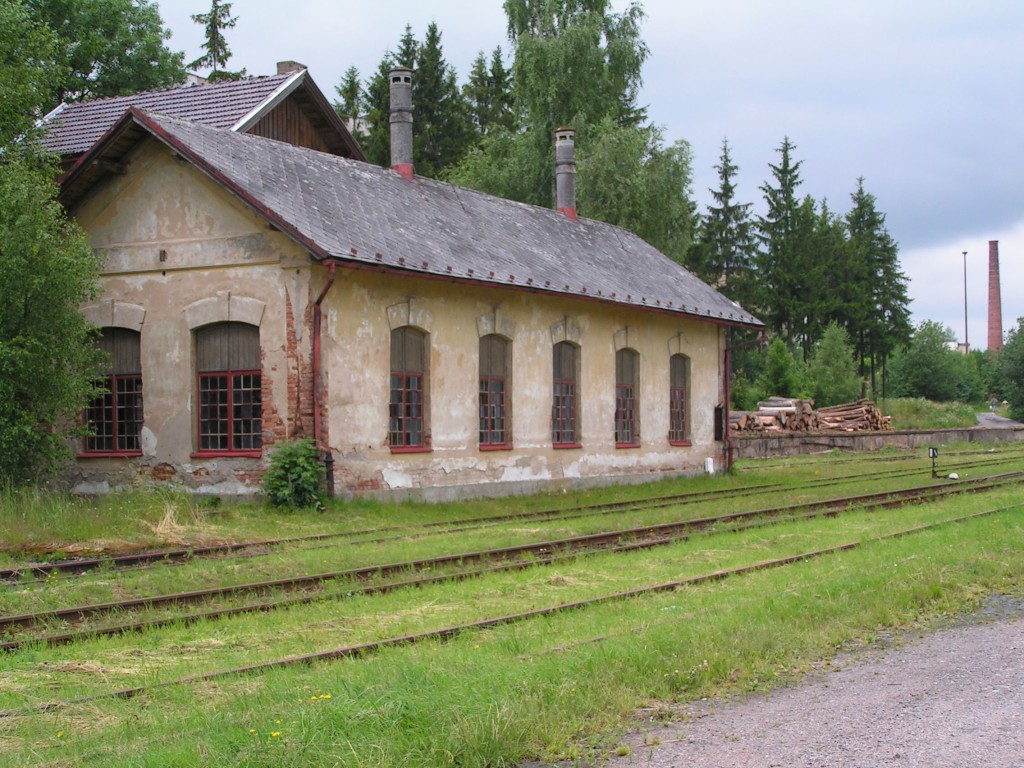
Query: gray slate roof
point(359, 213)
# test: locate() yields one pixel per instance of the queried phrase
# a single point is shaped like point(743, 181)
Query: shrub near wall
point(296, 476)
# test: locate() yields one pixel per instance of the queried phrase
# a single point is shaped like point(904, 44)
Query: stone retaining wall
point(800, 443)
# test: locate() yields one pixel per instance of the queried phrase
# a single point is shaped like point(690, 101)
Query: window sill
point(496, 447)
point(561, 446)
point(628, 445)
point(680, 443)
point(107, 454)
point(411, 449)
point(227, 455)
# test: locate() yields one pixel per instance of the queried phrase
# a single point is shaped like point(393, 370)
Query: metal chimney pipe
point(565, 172)
point(401, 121)
point(995, 308)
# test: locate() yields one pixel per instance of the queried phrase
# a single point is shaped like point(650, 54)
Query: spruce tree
point(350, 108)
point(727, 237)
point(786, 267)
point(217, 53)
point(886, 313)
point(442, 131)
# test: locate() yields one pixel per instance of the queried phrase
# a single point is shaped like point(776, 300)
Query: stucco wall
point(363, 307)
point(182, 253)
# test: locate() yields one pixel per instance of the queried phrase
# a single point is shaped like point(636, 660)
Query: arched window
point(564, 404)
point(495, 392)
point(627, 373)
point(679, 400)
point(115, 417)
point(407, 416)
point(229, 384)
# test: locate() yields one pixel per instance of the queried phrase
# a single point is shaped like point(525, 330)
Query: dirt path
point(951, 699)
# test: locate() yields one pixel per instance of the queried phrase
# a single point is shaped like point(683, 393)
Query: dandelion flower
point(326, 696)
point(60, 734)
point(275, 734)
point(252, 730)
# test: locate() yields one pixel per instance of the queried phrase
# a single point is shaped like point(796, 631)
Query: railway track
point(463, 565)
point(382, 534)
point(448, 632)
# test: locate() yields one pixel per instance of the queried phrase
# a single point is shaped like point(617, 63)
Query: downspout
point(726, 428)
point(328, 457)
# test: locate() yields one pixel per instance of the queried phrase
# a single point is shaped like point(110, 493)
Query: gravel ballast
point(951, 698)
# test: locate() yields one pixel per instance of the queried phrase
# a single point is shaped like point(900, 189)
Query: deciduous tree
point(108, 48)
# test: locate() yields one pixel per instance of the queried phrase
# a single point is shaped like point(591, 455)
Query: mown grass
point(558, 687)
point(561, 687)
point(918, 413)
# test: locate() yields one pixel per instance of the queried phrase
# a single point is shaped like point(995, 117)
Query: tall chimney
point(995, 309)
point(401, 121)
point(565, 172)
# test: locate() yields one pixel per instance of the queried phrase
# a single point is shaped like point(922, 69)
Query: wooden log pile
point(853, 417)
point(784, 414)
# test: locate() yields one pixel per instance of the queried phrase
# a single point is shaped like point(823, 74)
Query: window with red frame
point(627, 371)
point(564, 403)
point(230, 391)
point(678, 399)
point(407, 416)
point(115, 417)
point(494, 392)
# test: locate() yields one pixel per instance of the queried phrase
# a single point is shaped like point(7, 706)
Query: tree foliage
point(628, 177)
point(488, 94)
point(48, 357)
point(350, 91)
point(1010, 370)
point(782, 374)
point(107, 48)
point(29, 70)
point(879, 311)
point(927, 367)
point(442, 125)
point(832, 371)
point(726, 247)
point(217, 53)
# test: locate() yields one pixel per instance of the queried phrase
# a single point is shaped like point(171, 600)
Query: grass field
point(562, 685)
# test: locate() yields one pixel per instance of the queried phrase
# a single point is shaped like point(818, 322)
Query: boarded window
point(678, 399)
point(564, 403)
point(627, 371)
point(494, 391)
point(115, 416)
point(230, 388)
point(406, 425)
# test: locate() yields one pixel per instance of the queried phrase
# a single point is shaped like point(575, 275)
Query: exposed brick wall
point(995, 309)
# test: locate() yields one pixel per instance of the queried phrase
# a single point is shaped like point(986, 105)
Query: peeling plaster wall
point(363, 307)
point(181, 254)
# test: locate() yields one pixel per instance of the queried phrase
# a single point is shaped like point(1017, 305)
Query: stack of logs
point(785, 414)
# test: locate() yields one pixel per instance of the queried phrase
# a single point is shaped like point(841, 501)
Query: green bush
point(295, 477)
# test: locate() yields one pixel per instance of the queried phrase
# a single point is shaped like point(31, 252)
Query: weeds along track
point(375, 578)
point(445, 633)
point(381, 534)
point(1010, 451)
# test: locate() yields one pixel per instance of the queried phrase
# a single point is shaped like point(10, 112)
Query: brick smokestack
point(995, 308)
point(565, 172)
point(401, 121)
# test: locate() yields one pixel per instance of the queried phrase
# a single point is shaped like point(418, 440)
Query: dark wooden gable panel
point(290, 123)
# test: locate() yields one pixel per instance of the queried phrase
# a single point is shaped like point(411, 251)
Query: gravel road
point(953, 698)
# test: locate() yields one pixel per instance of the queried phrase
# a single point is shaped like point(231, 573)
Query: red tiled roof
point(73, 128)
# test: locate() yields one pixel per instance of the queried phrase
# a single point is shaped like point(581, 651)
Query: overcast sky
point(923, 98)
